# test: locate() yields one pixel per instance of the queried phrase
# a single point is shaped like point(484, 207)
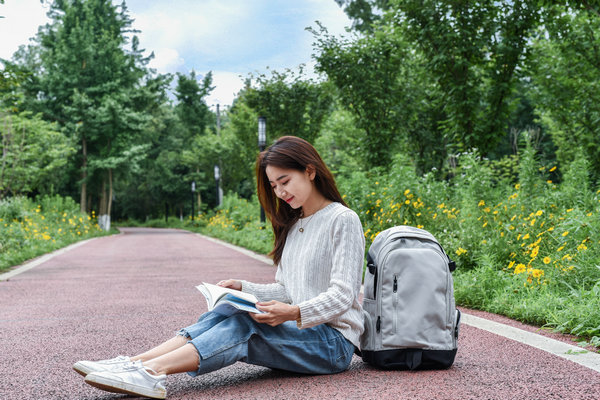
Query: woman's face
point(290, 185)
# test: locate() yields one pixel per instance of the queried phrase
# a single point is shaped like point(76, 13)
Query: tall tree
point(474, 50)
point(292, 104)
point(88, 83)
point(565, 77)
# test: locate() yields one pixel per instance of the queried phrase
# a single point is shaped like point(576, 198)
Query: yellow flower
point(547, 260)
point(526, 236)
point(518, 186)
point(569, 210)
point(511, 264)
point(406, 192)
point(481, 203)
point(520, 268)
point(460, 251)
point(535, 251)
point(407, 202)
point(565, 233)
point(582, 247)
point(537, 273)
point(538, 213)
point(552, 169)
point(549, 182)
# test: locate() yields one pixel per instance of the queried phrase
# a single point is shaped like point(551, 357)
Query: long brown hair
point(290, 152)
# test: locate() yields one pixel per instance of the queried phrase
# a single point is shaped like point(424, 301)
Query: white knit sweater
point(321, 271)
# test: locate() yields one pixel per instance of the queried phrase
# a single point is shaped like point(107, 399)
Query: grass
point(30, 228)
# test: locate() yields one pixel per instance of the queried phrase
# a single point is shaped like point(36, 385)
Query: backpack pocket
point(368, 340)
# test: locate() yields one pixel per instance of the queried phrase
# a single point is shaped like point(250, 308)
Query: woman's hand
point(231, 284)
point(276, 313)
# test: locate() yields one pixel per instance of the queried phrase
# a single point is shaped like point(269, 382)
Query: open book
point(228, 301)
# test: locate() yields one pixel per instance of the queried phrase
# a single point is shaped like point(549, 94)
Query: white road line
point(573, 353)
point(41, 260)
point(576, 354)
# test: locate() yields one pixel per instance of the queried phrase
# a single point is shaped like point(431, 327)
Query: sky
point(231, 38)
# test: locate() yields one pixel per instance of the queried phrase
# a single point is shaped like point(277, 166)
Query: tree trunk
point(110, 192)
point(103, 216)
point(83, 197)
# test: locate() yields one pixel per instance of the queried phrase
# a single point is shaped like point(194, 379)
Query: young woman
point(312, 317)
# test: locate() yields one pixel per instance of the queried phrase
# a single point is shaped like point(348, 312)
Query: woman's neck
point(314, 205)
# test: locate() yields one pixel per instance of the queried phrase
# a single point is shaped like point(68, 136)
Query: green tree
point(565, 75)
point(378, 78)
point(292, 104)
point(91, 82)
point(191, 106)
point(365, 14)
point(32, 153)
point(474, 51)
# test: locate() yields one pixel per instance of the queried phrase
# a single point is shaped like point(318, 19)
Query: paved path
point(124, 293)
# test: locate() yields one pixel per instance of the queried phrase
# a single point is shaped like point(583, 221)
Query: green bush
point(31, 228)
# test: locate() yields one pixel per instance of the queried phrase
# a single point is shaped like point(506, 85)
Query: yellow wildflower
point(520, 268)
point(537, 273)
point(552, 169)
point(547, 260)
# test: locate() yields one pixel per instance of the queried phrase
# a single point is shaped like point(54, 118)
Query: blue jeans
point(224, 340)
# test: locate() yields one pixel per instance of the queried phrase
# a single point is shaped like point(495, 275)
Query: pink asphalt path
point(125, 293)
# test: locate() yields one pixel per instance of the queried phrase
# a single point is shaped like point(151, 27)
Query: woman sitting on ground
point(312, 317)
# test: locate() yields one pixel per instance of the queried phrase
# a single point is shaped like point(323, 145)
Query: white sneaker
point(87, 367)
point(133, 379)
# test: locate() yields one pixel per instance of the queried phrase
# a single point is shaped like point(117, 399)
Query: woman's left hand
point(276, 313)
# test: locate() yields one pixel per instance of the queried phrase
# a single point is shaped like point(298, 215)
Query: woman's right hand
point(231, 284)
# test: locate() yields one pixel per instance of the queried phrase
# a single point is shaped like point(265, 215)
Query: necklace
point(301, 229)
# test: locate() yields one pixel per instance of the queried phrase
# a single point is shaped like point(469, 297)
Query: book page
point(217, 292)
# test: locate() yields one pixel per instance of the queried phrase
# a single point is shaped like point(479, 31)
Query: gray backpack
point(411, 321)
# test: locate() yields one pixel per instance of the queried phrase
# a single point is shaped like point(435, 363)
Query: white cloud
point(228, 84)
point(20, 23)
point(166, 60)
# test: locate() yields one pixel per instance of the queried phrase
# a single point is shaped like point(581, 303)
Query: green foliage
point(372, 79)
point(292, 104)
point(339, 143)
point(191, 107)
point(473, 50)
point(566, 82)
point(32, 153)
point(31, 228)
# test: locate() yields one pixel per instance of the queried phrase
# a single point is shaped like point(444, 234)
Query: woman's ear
point(311, 171)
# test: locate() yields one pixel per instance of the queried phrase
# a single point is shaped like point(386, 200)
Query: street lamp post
point(217, 177)
point(193, 191)
point(262, 141)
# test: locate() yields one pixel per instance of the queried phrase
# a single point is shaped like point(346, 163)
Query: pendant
point(301, 230)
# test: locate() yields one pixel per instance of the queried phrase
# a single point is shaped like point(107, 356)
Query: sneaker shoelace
point(136, 365)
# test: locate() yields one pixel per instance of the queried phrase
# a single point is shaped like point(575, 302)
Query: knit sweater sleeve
point(348, 248)
point(269, 291)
